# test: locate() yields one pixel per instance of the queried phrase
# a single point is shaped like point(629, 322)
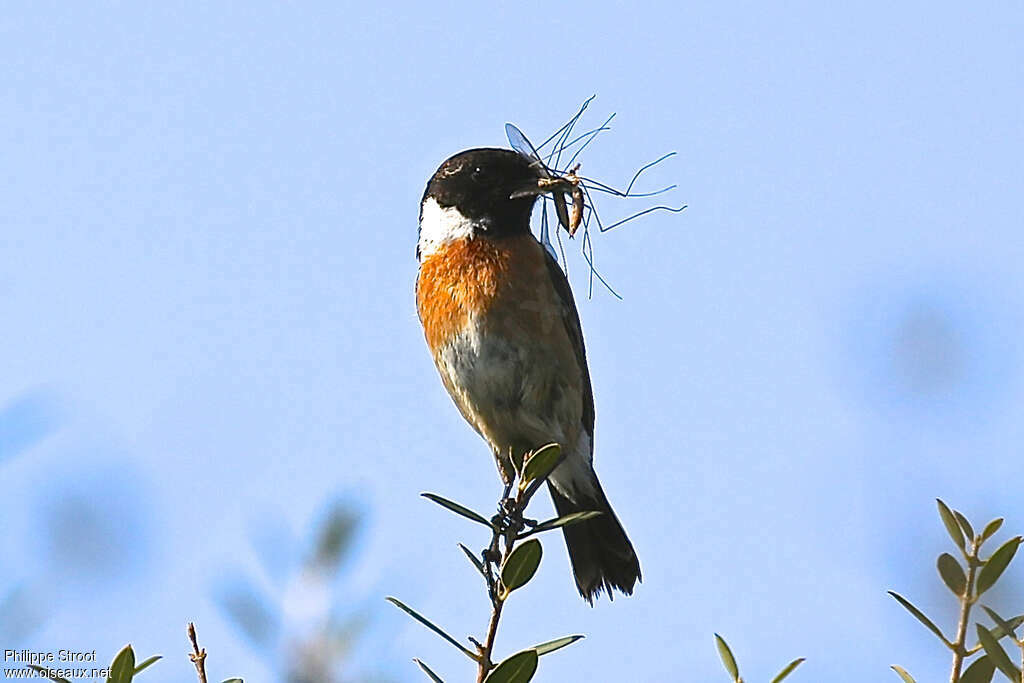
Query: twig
point(966, 602)
point(197, 656)
point(492, 632)
point(506, 526)
point(494, 559)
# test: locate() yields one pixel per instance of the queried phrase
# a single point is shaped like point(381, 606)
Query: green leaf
point(920, 617)
point(521, 565)
point(519, 668)
point(790, 668)
point(123, 667)
point(996, 564)
point(991, 528)
point(907, 678)
point(232, 680)
point(457, 509)
point(999, 632)
point(981, 670)
point(558, 644)
point(250, 609)
point(426, 669)
point(952, 574)
point(146, 664)
point(965, 525)
point(952, 526)
point(1005, 628)
point(728, 661)
point(540, 464)
point(335, 536)
point(436, 629)
point(41, 670)
point(564, 520)
point(997, 654)
point(473, 558)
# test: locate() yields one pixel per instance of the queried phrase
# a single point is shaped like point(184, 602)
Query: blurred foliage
point(89, 538)
point(25, 420)
point(91, 521)
point(21, 611)
point(299, 623)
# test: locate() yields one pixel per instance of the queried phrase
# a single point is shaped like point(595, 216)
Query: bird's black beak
point(558, 187)
point(531, 188)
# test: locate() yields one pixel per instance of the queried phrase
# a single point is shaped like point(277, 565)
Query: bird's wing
point(571, 320)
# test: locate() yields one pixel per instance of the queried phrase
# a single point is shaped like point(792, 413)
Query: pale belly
point(497, 332)
point(514, 395)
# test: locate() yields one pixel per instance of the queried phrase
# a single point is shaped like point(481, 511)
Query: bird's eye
point(481, 175)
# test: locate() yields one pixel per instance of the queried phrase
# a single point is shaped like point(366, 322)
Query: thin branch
point(198, 656)
point(509, 519)
point(485, 651)
point(506, 527)
point(966, 602)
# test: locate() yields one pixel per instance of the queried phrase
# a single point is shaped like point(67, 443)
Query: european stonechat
point(501, 323)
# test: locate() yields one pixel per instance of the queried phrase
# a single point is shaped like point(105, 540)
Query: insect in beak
point(569, 184)
point(577, 201)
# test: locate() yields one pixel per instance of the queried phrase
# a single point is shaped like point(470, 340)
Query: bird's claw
point(509, 515)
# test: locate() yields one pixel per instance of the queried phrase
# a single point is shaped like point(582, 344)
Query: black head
point(479, 183)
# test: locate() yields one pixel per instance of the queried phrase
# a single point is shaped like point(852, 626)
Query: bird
point(504, 332)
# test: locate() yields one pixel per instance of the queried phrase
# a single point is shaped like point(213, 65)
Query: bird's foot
point(509, 515)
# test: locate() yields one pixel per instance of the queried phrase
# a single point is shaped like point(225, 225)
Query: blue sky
point(206, 282)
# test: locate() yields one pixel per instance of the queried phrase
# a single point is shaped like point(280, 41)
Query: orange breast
point(462, 278)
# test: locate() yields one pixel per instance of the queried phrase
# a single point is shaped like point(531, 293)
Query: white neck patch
point(439, 225)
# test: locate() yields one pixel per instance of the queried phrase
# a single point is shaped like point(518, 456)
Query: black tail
point(600, 552)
